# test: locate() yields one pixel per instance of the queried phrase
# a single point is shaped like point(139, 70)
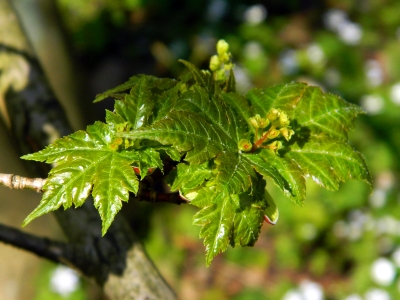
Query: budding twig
point(19, 183)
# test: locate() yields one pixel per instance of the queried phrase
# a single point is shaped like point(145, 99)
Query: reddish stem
point(260, 141)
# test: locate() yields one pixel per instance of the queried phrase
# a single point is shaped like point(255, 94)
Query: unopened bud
point(258, 122)
point(215, 63)
point(220, 75)
point(121, 127)
point(225, 57)
point(275, 146)
point(273, 133)
point(284, 119)
point(118, 141)
point(245, 145)
point(273, 114)
point(113, 147)
point(228, 66)
point(286, 133)
point(222, 47)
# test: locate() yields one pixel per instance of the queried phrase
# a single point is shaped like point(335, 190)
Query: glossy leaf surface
point(85, 162)
point(221, 148)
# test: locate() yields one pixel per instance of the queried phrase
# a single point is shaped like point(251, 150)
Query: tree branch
point(35, 118)
point(19, 182)
point(57, 252)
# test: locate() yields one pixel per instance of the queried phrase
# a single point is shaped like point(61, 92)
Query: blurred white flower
point(378, 198)
point(395, 93)
point(311, 290)
point(385, 180)
point(353, 297)
point(383, 272)
point(334, 18)
point(350, 33)
point(64, 281)
point(396, 257)
point(288, 61)
point(252, 49)
point(377, 294)
point(315, 54)
point(374, 72)
point(243, 84)
point(332, 77)
point(292, 295)
point(255, 14)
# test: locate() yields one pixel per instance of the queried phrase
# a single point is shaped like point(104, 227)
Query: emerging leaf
point(220, 147)
point(85, 160)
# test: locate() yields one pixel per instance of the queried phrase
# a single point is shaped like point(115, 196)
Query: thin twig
point(19, 183)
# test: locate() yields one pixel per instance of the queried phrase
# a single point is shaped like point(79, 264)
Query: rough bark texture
point(27, 104)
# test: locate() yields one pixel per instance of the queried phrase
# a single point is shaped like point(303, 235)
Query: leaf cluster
point(199, 123)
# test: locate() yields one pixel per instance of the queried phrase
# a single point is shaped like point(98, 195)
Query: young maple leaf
point(86, 160)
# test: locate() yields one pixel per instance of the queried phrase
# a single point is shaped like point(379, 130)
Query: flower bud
point(275, 146)
point(121, 127)
point(220, 75)
point(228, 66)
point(225, 57)
point(273, 133)
point(222, 47)
point(283, 119)
point(118, 141)
point(273, 114)
point(215, 63)
point(286, 133)
point(258, 122)
point(113, 147)
point(245, 145)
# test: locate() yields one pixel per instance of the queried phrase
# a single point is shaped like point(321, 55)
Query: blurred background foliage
point(340, 245)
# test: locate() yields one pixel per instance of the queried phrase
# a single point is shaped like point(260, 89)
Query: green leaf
point(166, 102)
point(203, 78)
point(154, 83)
point(325, 113)
point(85, 160)
point(240, 104)
point(233, 172)
point(230, 218)
point(148, 159)
point(282, 96)
point(285, 174)
point(113, 119)
point(214, 110)
point(187, 177)
point(329, 162)
point(230, 83)
point(186, 132)
point(137, 106)
point(120, 88)
point(216, 219)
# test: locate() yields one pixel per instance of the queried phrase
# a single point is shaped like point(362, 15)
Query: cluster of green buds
point(118, 142)
point(273, 126)
point(221, 62)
